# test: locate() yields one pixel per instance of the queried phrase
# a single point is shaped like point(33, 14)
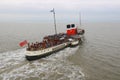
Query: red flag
point(23, 43)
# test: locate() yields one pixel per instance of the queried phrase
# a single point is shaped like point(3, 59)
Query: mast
point(80, 19)
point(54, 20)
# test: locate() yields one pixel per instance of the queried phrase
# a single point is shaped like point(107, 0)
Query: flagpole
point(54, 20)
point(80, 18)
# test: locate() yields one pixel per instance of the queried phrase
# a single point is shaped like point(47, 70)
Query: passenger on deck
point(28, 47)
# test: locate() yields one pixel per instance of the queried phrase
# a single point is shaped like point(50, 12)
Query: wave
point(14, 66)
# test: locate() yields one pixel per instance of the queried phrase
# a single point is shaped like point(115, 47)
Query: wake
point(13, 65)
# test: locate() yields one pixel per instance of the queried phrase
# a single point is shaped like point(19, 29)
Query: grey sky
point(66, 10)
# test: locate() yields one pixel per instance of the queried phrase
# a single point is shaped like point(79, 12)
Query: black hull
point(73, 45)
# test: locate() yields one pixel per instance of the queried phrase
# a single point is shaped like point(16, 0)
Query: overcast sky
point(66, 10)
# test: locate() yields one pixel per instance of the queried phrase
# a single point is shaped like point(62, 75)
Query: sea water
point(96, 58)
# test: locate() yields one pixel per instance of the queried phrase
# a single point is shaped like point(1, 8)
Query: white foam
point(56, 66)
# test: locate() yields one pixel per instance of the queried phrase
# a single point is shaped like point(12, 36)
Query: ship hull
point(34, 55)
point(30, 58)
point(74, 43)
